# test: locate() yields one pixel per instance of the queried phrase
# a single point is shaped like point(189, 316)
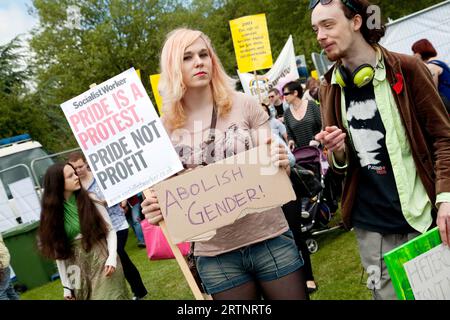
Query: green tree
point(115, 35)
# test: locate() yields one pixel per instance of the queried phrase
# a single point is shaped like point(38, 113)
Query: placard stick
point(257, 87)
point(181, 261)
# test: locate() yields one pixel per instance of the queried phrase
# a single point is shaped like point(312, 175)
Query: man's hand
point(443, 222)
point(333, 139)
point(291, 145)
point(124, 206)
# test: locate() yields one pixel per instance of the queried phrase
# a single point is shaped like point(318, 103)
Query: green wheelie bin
point(31, 268)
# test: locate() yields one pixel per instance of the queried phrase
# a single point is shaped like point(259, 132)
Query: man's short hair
point(274, 90)
point(75, 156)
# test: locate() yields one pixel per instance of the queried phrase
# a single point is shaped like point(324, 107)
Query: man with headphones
point(387, 130)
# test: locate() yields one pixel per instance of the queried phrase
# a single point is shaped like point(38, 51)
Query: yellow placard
point(138, 71)
point(315, 74)
point(154, 80)
point(251, 43)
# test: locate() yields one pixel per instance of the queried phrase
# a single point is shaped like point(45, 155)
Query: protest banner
point(429, 274)
point(420, 268)
point(197, 203)
point(251, 43)
point(122, 137)
point(283, 71)
point(154, 81)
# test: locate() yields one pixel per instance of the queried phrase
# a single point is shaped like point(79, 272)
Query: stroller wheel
point(312, 245)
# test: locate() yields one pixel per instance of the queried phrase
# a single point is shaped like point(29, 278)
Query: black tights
point(129, 269)
point(289, 287)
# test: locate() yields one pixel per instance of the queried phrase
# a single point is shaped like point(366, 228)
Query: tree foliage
point(17, 114)
point(115, 35)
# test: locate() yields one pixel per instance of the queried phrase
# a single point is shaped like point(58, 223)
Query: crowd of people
point(378, 115)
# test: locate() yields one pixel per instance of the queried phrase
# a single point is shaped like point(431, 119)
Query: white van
point(16, 155)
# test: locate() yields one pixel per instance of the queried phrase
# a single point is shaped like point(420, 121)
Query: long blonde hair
point(171, 86)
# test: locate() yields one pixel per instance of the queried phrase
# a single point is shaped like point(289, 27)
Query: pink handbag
point(157, 245)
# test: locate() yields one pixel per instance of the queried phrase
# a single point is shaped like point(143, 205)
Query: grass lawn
point(336, 266)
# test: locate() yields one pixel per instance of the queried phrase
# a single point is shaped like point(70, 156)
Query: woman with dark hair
point(302, 119)
point(439, 69)
point(303, 122)
point(76, 231)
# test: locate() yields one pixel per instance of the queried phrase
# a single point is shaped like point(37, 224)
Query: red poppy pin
point(398, 86)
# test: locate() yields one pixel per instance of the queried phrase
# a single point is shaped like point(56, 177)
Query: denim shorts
point(263, 261)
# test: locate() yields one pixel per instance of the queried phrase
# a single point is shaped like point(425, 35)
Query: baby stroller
point(318, 202)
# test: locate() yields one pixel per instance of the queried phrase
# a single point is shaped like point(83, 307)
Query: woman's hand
point(109, 270)
point(278, 154)
point(151, 209)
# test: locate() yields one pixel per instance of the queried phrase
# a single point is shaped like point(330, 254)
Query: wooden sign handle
point(182, 263)
point(257, 86)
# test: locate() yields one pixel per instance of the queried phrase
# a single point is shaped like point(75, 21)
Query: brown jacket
point(424, 117)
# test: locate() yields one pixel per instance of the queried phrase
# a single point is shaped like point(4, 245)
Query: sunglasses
point(287, 93)
point(347, 3)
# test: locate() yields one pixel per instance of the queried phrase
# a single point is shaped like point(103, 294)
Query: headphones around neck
point(359, 78)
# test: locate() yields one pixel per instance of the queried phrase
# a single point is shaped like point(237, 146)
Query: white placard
point(429, 274)
point(26, 199)
point(124, 141)
point(7, 217)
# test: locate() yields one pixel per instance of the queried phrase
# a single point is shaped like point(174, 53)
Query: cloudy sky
point(14, 19)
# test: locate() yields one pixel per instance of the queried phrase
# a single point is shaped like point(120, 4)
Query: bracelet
point(70, 289)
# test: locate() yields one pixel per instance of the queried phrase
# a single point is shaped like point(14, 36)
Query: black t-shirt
point(377, 205)
point(280, 110)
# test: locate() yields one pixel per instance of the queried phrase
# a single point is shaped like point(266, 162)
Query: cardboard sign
point(397, 258)
point(429, 274)
point(214, 196)
point(154, 81)
point(251, 43)
point(284, 70)
point(122, 137)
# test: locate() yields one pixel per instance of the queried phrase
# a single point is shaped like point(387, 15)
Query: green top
point(71, 218)
point(415, 204)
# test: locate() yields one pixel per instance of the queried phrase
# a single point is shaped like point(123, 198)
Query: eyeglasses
point(347, 3)
point(287, 93)
point(271, 97)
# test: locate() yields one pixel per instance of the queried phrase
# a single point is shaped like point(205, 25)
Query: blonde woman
point(208, 120)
